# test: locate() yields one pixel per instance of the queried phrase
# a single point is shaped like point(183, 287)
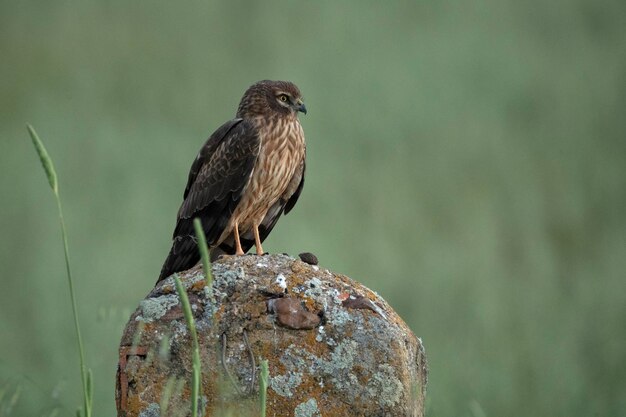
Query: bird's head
point(271, 98)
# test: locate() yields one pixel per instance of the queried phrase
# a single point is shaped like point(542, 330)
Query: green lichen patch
point(307, 409)
point(154, 308)
point(284, 385)
point(385, 386)
point(152, 410)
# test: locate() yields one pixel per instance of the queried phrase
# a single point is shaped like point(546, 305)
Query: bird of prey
point(248, 173)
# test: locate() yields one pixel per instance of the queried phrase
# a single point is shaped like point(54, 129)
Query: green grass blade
point(48, 166)
point(90, 388)
point(204, 251)
point(166, 394)
point(3, 391)
point(137, 335)
point(263, 380)
point(45, 159)
point(476, 409)
point(164, 347)
point(70, 282)
point(54, 413)
point(15, 398)
point(195, 382)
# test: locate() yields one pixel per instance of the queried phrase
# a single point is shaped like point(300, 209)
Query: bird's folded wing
point(218, 177)
point(294, 197)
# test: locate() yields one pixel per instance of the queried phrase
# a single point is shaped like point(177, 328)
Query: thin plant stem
point(195, 380)
point(204, 251)
point(81, 351)
point(263, 380)
point(48, 167)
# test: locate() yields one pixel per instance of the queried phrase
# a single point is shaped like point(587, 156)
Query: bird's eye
point(283, 98)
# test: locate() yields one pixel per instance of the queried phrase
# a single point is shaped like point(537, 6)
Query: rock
point(335, 348)
point(309, 258)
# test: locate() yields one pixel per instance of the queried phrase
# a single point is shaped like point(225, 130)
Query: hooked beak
point(301, 107)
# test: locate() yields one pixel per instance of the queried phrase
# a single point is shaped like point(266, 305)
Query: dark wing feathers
point(216, 181)
point(207, 150)
point(294, 197)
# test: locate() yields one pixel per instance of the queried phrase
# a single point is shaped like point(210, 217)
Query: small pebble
point(291, 313)
point(309, 258)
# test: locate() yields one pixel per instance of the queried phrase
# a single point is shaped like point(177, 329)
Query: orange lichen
point(320, 366)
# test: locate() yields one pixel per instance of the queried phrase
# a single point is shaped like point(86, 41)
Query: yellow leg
point(257, 241)
point(238, 250)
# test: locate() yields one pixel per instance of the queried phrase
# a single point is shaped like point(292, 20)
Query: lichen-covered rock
point(334, 347)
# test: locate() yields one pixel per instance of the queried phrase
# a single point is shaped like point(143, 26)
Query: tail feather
point(183, 255)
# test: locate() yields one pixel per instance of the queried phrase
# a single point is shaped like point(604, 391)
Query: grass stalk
point(48, 167)
point(182, 294)
point(195, 379)
point(263, 380)
point(204, 251)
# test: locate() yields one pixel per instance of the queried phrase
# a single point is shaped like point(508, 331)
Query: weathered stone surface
point(335, 348)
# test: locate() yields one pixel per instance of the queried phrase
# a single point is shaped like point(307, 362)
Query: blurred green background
point(466, 160)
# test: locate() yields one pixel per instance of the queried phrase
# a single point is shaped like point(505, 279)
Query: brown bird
point(246, 175)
